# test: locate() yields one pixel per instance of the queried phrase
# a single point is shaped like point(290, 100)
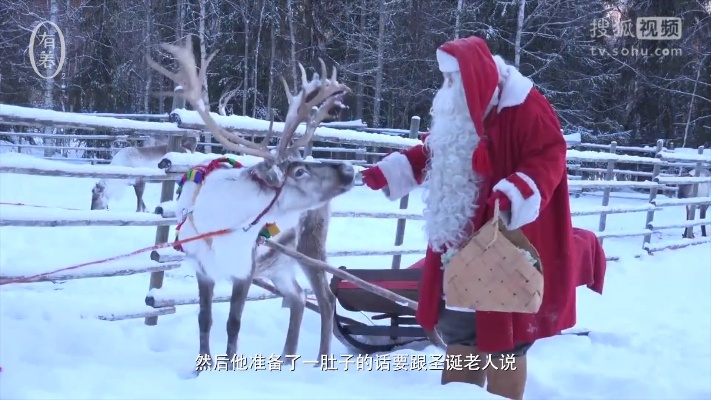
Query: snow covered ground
point(651, 330)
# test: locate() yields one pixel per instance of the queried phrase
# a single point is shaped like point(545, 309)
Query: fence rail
point(588, 170)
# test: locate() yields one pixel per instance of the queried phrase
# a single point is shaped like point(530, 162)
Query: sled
point(402, 328)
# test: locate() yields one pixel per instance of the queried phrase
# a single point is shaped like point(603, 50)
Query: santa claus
point(493, 136)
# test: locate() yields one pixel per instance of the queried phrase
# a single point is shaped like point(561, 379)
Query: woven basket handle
point(497, 216)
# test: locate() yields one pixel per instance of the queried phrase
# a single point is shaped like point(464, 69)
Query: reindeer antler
point(319, 90)
point(225, 98)
point(192, 92)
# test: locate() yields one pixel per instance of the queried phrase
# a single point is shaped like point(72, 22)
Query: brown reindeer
point(147, 157)
point(283, 189)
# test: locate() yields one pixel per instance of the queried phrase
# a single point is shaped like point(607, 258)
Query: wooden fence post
point(609, 175)
point(207, 138)
point(166, 194)
point(400, 232)
point(691, 211)
point(653, 193)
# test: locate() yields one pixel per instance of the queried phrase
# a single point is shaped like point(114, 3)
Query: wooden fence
point(652, 174)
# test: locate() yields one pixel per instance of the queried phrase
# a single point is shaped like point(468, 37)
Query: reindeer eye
point(300, 172)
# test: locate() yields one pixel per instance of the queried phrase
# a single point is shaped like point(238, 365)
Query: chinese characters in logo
point(644, 28)
point(46, 57)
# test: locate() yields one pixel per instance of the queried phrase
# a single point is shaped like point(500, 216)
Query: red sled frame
point(403, 328)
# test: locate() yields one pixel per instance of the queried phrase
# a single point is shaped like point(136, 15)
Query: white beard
point(451, 186)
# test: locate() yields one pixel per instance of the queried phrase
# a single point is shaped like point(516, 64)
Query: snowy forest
point(602, 80)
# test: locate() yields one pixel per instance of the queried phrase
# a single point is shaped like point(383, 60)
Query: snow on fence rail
point(183, 121)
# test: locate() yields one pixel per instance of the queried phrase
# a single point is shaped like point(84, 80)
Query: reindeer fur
point(686, 192)
point(309, 238)
point(136, 157)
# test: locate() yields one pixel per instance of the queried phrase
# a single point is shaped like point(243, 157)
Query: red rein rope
point(33, 278)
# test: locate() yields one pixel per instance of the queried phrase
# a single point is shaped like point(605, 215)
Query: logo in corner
point(47, 32)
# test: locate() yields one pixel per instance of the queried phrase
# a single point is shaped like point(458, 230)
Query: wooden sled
point(402, 328)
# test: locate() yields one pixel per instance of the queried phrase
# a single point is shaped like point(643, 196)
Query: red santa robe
point(522, 153)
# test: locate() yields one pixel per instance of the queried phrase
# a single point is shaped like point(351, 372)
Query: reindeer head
point(284, 169)
point(98, 197)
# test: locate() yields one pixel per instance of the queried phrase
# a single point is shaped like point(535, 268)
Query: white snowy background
point(651, 329)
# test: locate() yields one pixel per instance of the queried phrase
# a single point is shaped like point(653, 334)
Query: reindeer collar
point(198, 173)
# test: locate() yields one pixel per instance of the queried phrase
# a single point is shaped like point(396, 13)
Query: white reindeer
point(137, 157)
point(686, 191)
point(282, 189)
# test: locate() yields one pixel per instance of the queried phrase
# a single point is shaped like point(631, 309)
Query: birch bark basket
point(497, 270)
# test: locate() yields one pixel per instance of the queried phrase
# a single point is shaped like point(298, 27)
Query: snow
point(238, 122)
point(12, 213)
point(682, 154)
point(682, 179)
point(649, 338)
point(580, 155)
point(10, 112)
point(25, 161)
point(572, 138)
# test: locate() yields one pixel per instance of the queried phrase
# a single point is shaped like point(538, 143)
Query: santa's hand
point(374, 178)
point(522, 197)
point(504, 201)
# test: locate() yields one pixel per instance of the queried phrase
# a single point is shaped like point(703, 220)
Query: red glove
point(374, 178)
point(504, 201)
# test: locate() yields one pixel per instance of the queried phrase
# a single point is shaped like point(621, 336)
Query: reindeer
point(686, 191)
point(282, 188)
point(150, 156)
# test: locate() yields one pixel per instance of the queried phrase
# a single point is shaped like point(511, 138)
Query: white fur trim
point(447, 62)
point(523, 211)
point(514, 86)
point(398, 172)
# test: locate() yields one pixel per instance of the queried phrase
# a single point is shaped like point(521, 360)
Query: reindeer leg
point(139, 187)
point(702, 215)
point(240, 289)
point(326, 304)
point(295, 300)
point(689, 230)
point(312, 243)
point(206, 292)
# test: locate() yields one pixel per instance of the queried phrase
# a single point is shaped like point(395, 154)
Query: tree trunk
point(272, 57)
point(458, 19)
point(519, 32)
point(203, 49)
point(49, 82)
point(292, 41)
point(256, 60)
point(149, 71)
point(360, 84)
point(245, 77)
point(377, 96)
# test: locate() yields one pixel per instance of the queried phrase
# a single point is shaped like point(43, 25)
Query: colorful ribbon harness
point(198, 174)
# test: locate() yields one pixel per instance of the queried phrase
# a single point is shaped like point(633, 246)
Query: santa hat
point(480, 77)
